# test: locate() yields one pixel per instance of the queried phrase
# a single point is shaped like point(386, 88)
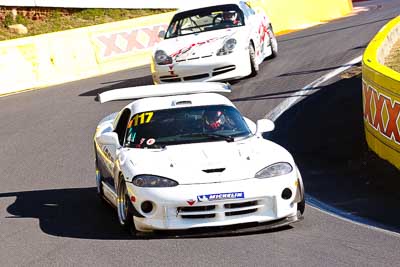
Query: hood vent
point(214, 170)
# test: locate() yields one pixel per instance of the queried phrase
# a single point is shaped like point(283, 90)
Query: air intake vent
point(214, 170)
point(184, 102)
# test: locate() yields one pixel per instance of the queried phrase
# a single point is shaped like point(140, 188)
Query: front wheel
point(253, 64)
point(99, 180)
point(301, 206)
point(273, 43)
point(124, 208)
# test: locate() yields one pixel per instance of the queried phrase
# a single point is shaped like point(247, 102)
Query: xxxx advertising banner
point(381, 102)
point(116, 46)
point(381, 96)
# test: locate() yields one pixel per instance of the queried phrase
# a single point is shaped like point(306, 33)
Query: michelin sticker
point(220, 196)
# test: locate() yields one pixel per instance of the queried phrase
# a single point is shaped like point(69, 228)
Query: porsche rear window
point(155, 129)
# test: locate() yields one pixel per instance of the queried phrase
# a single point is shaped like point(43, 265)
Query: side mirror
point(161, 34)
point(265, 125)
point(110, 141)
point(110, 138)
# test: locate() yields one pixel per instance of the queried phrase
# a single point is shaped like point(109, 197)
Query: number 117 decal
point(141, 118)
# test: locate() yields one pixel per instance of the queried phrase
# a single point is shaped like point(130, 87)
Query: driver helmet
point(214, 119)
point(230, 16)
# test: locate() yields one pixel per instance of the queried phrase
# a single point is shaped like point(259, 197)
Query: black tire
point(301, 206)
point(99, 179)
point(254, 66)
point(125, 208)
point(273, 43)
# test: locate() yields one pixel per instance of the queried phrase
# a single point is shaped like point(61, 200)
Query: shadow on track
point(278, 95)
point(325, 134)
point(79, 213)
point(284, 39)
point(146, 80)
point(313, 71)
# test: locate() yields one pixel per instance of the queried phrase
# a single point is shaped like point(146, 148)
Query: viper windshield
point(155, 129)
point(205, 19)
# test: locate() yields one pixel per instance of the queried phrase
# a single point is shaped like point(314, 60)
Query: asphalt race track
point(50, 214)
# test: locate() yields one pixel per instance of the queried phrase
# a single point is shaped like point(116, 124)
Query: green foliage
point(90, 14)
point(58, 21)
point(21, 20)
point(8, 20)
point(57, 14)
point(115, 13)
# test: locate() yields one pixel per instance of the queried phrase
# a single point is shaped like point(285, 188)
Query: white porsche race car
point(213, 43)
point(182, 156)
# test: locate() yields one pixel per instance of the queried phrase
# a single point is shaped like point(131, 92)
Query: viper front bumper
point(218, 204)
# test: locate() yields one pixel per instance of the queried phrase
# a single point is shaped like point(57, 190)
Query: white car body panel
point(194, 158)
point(159, 103)
point(162, 90)
point(220, 174)
point(195, 55)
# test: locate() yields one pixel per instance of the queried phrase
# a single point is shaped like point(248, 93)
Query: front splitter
point(218, 231)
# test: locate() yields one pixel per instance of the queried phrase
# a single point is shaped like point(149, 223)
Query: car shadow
point(313, 71)
point(145, 80)
point(80, 213)
point(325, 134)
point(277, 95)
point(301, 35)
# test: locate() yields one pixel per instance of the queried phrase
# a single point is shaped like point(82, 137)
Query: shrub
point(56, 14)
point(8, 20)
point(90, 14)
point(21, 20)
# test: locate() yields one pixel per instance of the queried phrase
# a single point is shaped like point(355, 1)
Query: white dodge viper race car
point(213, 43)
point(181, 156)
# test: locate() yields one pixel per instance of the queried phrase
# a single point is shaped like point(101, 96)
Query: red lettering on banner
point(367, 105)
point(392, 127)
point(133, 43)
point(392, 130)
point(153, 35)
point(111, 47)
point(379, 101)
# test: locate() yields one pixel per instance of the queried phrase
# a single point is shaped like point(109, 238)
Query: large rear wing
point(163, 90)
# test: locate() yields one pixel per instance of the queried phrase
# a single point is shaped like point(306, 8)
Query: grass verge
point(59, 21)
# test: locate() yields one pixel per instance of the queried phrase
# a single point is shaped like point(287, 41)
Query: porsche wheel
point(274, 43)
point(253, 63)
point(124, 207)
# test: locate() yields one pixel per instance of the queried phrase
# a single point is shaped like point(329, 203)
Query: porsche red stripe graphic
point(188, 48)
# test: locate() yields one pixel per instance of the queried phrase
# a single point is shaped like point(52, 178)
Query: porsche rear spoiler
point(163, 90)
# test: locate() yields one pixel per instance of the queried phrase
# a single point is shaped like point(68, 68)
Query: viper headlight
point(228, 47)
point(153, 181)
point(276, 169)
point(162, 58)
